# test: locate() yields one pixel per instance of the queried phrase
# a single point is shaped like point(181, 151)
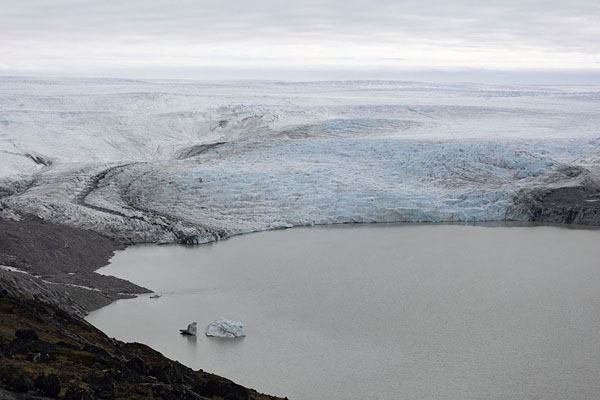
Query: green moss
point(81, 358)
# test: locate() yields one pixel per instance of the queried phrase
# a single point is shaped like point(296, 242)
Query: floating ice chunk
point(223, 327)
point(192, 329)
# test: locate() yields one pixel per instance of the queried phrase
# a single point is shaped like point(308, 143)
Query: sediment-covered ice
point(193, 162)
point(225, 328)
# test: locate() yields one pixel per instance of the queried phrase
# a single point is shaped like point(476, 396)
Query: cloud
point(88, 35)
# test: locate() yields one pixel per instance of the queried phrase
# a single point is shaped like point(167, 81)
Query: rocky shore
point(57, 262)
point(578, 204)
point(47, 350)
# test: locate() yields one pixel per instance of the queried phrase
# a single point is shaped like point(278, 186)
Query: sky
point(269, 39)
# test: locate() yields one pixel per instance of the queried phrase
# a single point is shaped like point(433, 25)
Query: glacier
point(193, 162)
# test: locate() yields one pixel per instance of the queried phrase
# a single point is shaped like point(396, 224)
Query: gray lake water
point(378, 311)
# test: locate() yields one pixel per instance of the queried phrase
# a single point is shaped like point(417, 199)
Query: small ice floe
point(155, 296)
point(191, 330)
point(226, 328)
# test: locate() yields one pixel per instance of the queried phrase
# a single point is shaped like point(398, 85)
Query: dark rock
point(176, 392)
point(21, 384)
point(95, 349)
point(103, 386)
point(67, 345)
point(221, 389)
point(104, 392)
point(137, 365)
point(168, 373)
point(17, 346)
point(48, 385)
point(27, 334)
point(564, 205)
point(78, 393)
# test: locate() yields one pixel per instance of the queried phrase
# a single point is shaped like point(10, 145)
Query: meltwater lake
point(384, 311)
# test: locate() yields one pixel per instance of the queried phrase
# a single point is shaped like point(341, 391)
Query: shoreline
point(265, 278)
point(48, 349)
point(485, 224)
point(68, 278)
point(58, 262)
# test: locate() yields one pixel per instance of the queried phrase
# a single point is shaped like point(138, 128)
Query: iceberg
point(191, 330)
point(226, 328)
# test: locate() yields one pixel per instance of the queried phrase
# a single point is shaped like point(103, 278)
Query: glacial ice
point(225, 328)
point(194, 162)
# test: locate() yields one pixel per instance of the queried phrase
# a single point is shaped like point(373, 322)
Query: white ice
point(226, 328)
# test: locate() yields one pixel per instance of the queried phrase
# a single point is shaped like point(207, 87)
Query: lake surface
point(378, 311)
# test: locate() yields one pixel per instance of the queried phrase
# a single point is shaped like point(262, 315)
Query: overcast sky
point(166, 38)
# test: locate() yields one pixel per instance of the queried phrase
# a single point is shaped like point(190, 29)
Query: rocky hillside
point(47, 352)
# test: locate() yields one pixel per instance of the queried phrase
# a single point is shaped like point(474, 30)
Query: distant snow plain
point(192, 162)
